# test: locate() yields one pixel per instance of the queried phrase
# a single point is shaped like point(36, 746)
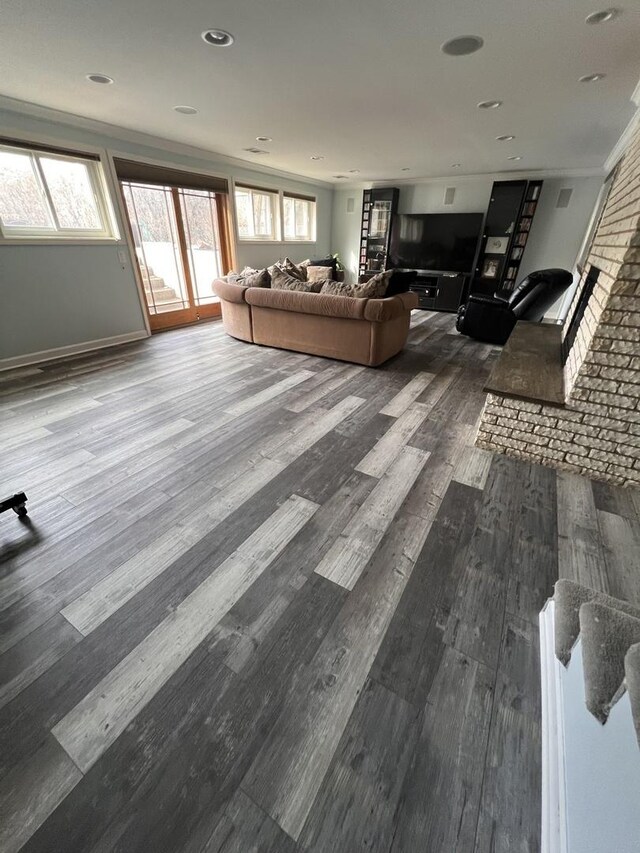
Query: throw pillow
point(400, 282)
point(293, 269)
point(281, 280)
point(326, 262)
point(337, 288)
point(318, 273)
point(257, 278)
point(374, 288)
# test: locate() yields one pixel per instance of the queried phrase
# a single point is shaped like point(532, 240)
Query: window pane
point(289, 219)
point(244, 214)
point(262, 215)
point(72, 194)
point(22, 200)
point(302, 218)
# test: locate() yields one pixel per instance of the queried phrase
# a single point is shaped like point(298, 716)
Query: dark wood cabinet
point(506, 231)
point(379, 206)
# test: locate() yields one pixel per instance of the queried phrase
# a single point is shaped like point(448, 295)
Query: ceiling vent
point(449, 195)
point(564, 197)
point(351, 205)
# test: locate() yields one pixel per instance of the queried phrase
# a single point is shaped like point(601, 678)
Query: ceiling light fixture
point(405, 169)
point(184, 110)
point(255, 150)
point(456, 165)
point(316, 157)
point(354, 171)
point(340, 177)
point(218, 38)
point(602, 17)
point(489, 105)
point(504, 138)
point(516, 157)
point(591, 78)
point(462, 45)
point(264, 139)
point(99, 78)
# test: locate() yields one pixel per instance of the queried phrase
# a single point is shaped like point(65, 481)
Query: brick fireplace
point(597, 431)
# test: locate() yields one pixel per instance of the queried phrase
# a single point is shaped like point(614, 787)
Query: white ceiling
point(362, 82)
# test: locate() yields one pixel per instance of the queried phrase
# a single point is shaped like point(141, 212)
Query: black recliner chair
point(492, 318)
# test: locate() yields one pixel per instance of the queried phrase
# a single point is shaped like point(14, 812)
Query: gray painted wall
point(555, 237)
point(65, 295)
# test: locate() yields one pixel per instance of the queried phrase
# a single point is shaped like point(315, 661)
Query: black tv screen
point(438, 242)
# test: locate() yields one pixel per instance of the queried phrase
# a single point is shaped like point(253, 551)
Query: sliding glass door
point(182, 245)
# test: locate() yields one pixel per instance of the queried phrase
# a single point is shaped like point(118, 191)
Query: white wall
point(555, 237)
point(68, 295)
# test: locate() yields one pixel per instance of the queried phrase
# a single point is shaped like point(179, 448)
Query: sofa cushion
point(374, 288)
point(230, 292)
point(318, 273)
point(326, 262)
point(337, 288)
point(307, 303)
point(287, 265)
point(281, 280)
point(254, 278)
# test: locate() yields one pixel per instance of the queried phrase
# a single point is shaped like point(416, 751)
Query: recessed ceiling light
point(405, 169)
point(517, 157)
point(456, 165)
point(602, 17)
point(99, 78)
point(185, 110)
point(264, 139)
point(218, 38)
point(462, 46)
point(255, 150)
point(504, 138)
point(489, 105)
point(591, 78)
point(354, 171)
point(316, 157)
point(340, 177)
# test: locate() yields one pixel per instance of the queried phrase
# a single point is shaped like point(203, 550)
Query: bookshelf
point(379, 206)
point(507, 226)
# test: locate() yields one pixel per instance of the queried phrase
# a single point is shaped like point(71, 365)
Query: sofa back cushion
point(255, 278)
point(281, 280)
point(323, 304)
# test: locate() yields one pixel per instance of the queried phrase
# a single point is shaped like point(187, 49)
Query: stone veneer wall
point(597, 433)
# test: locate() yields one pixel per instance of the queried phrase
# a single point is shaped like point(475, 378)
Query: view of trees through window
point(47, 193)
point(255, 214)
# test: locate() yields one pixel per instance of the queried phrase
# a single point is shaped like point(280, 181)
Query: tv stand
point(440, 292)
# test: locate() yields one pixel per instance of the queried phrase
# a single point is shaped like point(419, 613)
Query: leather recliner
point(492, 318)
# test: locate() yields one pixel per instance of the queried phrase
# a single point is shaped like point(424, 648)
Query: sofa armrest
point(324, 304)
point(230, 292)
point(389, 307)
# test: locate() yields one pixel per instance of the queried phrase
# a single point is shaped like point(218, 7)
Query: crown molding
point(510, 175)
point(627, 134)
point(123, 134)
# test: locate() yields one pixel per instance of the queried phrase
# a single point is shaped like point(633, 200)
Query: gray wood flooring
point(270, 602)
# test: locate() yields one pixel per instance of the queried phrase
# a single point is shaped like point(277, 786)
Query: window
point(47, 194)
point(256, 213)
point(299, 217)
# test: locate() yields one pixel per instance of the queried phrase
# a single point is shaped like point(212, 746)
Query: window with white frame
point(48, 194)
point(299, 217)
point(256, 213)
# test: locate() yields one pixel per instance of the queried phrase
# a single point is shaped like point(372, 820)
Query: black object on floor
point(16, 502)
point(492, 318)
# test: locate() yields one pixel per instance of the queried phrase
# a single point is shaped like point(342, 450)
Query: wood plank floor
point(271, 602)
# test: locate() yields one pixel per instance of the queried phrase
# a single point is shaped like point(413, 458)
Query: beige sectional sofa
point(364, 331)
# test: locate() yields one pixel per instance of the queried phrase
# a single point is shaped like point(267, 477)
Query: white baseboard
point(72, 349)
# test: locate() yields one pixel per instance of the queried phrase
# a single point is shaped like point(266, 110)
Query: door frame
point(117, 195)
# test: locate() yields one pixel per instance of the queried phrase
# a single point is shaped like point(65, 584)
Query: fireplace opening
point(579, 311)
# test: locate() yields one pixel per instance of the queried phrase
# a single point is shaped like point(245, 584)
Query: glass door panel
point(200, 217)
point(177, 237)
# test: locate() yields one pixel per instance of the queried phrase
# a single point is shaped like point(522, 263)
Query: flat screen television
point(437, 242)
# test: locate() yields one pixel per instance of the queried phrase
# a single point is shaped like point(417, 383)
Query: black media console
point(441, 292)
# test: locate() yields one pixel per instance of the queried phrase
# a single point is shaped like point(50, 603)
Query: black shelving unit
point(379, 206)
point(506, 232)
